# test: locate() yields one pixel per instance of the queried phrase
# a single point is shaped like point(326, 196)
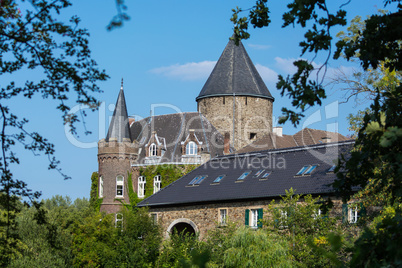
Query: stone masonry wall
point(253, 117)
point(206, 217)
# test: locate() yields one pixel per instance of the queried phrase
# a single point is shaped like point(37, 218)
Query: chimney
point(226, 143)
point(277, 131)
point(326, 139)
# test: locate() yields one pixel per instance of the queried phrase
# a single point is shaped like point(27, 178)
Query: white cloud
point(267, 74)
point(286, 65)
point(187, 71)
point(259, 47)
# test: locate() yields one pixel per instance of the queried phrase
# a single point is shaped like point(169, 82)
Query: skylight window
point(332, 169)
point(244, 175)
point(219, 178)
point(194, 180)
point(259, 172)
point(302, 170)
point(266, 175)
point(310, 169)
point(306, 170)
point(197, 182)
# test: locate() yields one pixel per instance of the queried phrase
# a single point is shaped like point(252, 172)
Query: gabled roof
point(234, 73)
point(306, 136)
point(174, 128)
point(119, 128)
point(283, 164)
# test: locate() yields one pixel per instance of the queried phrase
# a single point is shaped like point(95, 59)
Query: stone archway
point(184, 226)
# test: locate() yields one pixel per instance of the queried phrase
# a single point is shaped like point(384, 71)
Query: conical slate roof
point(234, 73)
point(119, 126)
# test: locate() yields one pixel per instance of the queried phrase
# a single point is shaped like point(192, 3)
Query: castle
point(234, 115)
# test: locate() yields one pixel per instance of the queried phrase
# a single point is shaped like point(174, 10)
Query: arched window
point(157, 183)
point(100, 187)
point(119, 186)
point(152, 150)
point(191, 148)
point(141, 186)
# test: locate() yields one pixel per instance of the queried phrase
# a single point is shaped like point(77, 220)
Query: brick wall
point(114, 159)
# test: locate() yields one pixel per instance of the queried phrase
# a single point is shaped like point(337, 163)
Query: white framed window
point(100, 187)
point(154, 218)
point(353, 214)
point(141, 186)
point(152, 150)
point(119, 186)
point(118, 223)
point(157, 183)
point(254, 218)
point(283, 219)
point(223, 216)
point(191, 148)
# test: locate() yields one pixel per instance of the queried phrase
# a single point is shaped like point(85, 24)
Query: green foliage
point(179, 251)
point(379, 244)
point(169, 174)
point(257, 248)
point(297, 219)
point(94, 199)
point(36, 39)
point(99, 242)
point(46, 232)
point(132, 196)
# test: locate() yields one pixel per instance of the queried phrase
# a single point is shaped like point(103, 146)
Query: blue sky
point(165, 54)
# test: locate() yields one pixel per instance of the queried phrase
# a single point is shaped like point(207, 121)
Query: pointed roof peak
point(119, 128)
point(234, 74)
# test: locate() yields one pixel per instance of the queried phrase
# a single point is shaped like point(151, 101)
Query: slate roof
point(234, 73)
point(174, 128)
point(306, 136)
point(119, 128)
point(282, 178)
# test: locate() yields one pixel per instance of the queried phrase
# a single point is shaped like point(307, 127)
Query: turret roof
point(119, 128)
point(234, 73)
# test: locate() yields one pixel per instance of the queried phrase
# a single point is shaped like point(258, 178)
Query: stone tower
point(235, 99)
point(115, 154)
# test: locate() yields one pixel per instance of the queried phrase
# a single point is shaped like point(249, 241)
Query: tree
point(33, 40)
point(375, 164)
point(377, 159)
point(301, 221)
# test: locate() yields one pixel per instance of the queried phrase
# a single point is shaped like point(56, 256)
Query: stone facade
point(114, 159)
point(252, 117)
point(206, 217)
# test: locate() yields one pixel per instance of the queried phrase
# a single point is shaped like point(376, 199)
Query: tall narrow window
point(100, 187)
point(119, 221)
point(353, 214)
point(191, 148)
point(119, 186)
point(157, 183)
point(223, 214)
point(141, 186)
point(152, 150)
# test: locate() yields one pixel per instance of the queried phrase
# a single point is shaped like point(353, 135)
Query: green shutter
point(344, 213)
point(362, 211)
point(260, 215)
point(246, 217)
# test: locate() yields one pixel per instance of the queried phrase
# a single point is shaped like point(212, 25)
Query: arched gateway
point(182, 225)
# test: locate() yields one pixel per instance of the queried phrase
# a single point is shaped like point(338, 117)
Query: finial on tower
point(121, 83)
